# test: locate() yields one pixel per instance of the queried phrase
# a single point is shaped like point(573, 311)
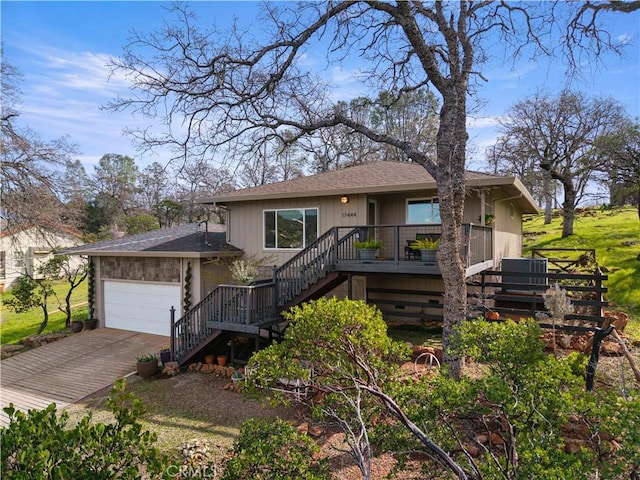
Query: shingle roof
point(375, 177)
point(182, 241)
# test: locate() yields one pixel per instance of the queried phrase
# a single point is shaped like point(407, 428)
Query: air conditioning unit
point(520, 268)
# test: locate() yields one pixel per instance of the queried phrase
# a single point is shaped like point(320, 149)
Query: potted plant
point(165, 355)
point(222, 360)
point(428, 249)
point(147, 365)
point(367, 248)
point(77, 326)
point(489, 219)
point(91, 322)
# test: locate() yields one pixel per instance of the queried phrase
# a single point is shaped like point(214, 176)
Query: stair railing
point(308, 266)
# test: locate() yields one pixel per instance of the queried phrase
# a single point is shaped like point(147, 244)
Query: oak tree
point(235, 90)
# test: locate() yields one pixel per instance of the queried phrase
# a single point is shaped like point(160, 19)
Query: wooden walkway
point(71, 368)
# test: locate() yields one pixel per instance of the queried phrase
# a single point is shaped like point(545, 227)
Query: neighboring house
point(139, 278)
point(23, 250)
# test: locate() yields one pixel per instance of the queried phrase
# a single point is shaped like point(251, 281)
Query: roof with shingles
point(188, 240)
point(375, 177)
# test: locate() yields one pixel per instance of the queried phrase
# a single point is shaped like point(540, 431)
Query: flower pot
point(77, 326)
point(165, 356)
point(222, 360)
point(367, 253)
point(429, 256)
point(90, 323)
point(146, 369)
point(209, 359)
point(492, 316)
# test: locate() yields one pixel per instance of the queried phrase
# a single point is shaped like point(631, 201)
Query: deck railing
point(237, 305)
point(230, 304)
point(476, 247)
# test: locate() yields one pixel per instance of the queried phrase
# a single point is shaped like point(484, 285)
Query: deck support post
point(172, 345)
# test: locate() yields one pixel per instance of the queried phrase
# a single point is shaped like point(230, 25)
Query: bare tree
point(30, 167)
point(225, 86)
point(620, 156)
point(558, 134)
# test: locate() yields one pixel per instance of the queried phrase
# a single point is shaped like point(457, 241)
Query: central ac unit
point(519, 268)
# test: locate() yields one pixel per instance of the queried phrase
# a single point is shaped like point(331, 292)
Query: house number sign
point(349, 214)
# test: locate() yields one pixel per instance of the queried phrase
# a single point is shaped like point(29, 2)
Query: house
point(24, 249)
point(138, 279)
point(306, 229)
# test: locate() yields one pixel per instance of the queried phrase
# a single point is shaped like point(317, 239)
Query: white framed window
point(293, 228)
point(18, 259)
point(423, 210)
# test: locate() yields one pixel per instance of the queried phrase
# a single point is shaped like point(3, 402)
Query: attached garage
point(140, 307)
point(139, 278)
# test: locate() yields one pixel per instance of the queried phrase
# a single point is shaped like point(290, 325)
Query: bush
point(41, 445)
point(273, 449)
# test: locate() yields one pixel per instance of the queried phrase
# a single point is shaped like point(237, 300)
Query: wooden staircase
point(252, 309)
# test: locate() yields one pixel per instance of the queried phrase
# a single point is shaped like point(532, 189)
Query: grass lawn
point(17, 326)
point(615, 234)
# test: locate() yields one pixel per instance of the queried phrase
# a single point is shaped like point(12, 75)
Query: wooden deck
point(71, 368)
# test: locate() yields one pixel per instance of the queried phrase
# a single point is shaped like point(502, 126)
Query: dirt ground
point(196, 407)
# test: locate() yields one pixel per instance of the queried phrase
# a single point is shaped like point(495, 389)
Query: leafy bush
point(272, 449)
point(42, 445)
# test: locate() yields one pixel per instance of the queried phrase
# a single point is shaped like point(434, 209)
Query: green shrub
point(42, 445)
point(272, 449)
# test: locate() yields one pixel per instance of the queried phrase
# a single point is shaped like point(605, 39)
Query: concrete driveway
point(68, 370)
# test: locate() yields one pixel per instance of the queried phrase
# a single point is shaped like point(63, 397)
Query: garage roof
point(191, 240)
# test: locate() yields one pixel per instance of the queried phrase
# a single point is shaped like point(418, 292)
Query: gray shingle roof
point(368, 178)
point(182, 241)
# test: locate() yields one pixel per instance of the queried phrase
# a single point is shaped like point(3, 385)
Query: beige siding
point(507, 231)
point(245, 224)
point(245, 229)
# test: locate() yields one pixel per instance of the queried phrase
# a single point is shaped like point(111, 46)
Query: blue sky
point(62, 49)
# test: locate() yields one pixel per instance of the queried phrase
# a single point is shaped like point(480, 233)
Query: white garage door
point(140, 307)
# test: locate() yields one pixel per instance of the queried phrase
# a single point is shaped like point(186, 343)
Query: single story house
point(25, 249)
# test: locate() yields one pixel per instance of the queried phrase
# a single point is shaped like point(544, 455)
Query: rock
point(303, 427)
point(473, 450)
point(617, 319)
point(230, 371)
point(564, 341)
point(611, 348)
point(12, 348)
point(496, 439)
point(316, 431)
point(483, 439)
point(573, 446)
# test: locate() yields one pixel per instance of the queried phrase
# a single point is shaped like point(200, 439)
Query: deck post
point(172, 345)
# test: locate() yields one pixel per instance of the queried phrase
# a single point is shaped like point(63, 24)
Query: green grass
point(16, 326)
point(612, 234)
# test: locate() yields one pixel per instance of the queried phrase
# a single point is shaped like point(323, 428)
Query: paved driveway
point(68, 370)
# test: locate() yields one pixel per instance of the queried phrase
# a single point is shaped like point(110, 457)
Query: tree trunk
point(568, 209)
point(548, 199)
point(450, 172)
point(45, 322)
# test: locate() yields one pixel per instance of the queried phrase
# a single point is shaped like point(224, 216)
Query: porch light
point(344, 199)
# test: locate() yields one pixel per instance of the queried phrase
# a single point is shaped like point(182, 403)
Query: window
point(423, 211)
point(18, 260)
point(295, 228)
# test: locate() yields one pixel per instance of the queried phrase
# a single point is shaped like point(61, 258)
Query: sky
point(62, 50)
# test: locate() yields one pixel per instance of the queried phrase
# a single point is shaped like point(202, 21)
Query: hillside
point(615, 234)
